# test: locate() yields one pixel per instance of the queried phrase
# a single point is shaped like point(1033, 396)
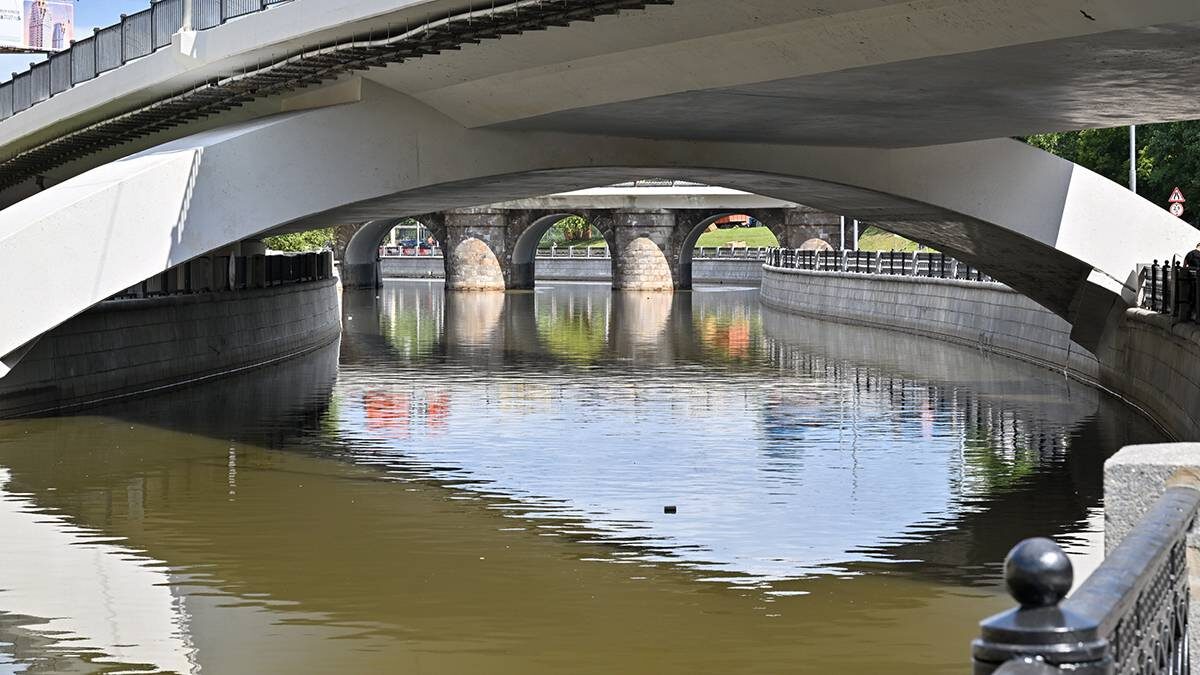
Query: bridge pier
point(804, 224)
point(360, 275)
point(475, 250)
point(645, 258)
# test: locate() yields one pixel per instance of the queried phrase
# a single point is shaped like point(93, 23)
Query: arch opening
point(534, 238)
point(691, 241)
point(360, 264)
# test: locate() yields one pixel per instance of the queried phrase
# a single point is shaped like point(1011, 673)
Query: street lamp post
point(1133, 158)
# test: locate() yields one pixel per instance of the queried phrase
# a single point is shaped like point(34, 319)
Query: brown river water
point(477, 484)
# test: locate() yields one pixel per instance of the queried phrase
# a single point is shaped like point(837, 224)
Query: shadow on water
point(479, 485)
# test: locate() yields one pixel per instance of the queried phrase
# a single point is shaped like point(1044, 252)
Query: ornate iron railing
point(896, 263)
point(1130, 617)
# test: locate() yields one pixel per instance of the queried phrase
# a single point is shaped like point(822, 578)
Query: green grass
point(595, 241)
point(753, 237)
point(875, 239)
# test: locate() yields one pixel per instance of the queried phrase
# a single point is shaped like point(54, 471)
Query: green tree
point(302, 242)
point(1168, 157)
point(568, 231)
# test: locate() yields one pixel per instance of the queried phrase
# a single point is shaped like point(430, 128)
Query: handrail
point(209, 274)
point(1171, 289)
point(110, 47)
point(924, 264)
point(1129, 617)
point(287, 73)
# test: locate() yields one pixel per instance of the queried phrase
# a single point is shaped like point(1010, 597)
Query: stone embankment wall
point(126, 347)
point(989, 316)
point(708, 271)
point(1150, 363)
point(1154, 363)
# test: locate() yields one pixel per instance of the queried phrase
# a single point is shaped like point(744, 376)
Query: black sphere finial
point(1038, 573)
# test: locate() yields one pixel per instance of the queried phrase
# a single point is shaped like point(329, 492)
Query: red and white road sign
point(1177, 210)
point(1176, 196)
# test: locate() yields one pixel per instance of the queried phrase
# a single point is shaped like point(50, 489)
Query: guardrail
point(1170, 288)
point(731, 252)
point(410, 252)
point(894, 263)
point(223, 273)
point(1130, 617)
point(706, 252)
point(135, 36)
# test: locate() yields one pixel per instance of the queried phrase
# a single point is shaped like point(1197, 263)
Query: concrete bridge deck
point(319, 112)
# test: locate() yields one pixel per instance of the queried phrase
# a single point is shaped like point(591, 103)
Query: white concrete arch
point(1063, 235)
point(359, 261)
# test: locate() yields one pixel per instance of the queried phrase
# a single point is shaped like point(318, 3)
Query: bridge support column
point(642, 259)
point(360, 275)
point(475, 250)
point(804, 224)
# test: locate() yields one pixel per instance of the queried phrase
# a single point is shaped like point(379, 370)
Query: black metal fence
point(1171, 288)
point(896, 263)
point(136, 35)
point(1130, 617)
point(222, 273)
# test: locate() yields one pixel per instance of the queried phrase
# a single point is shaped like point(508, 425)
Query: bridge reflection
point(498, 475)
point(836, 412)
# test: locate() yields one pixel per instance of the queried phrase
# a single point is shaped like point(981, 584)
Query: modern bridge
point(200, 124)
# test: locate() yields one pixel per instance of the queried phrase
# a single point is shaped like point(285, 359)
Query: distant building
point(59, 42)
point(39, 21)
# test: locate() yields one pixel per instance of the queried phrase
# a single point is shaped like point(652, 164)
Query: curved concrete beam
point(1063, 235)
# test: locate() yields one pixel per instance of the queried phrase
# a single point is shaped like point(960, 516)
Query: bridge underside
point(1052, 230)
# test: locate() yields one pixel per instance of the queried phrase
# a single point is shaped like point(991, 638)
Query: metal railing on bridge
point(135, 36)
point(896, 263)
point(700, 252)
point(1170, 288)
point(1130, 617)
point(223, 273)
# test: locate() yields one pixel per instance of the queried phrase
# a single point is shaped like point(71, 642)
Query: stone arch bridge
point(650, 228)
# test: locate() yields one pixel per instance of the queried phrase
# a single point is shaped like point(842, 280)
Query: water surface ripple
point(478, 483)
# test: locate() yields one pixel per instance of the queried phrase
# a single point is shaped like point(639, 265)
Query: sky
point(88, 14)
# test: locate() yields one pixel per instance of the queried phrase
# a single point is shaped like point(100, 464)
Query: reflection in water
point(479, 486)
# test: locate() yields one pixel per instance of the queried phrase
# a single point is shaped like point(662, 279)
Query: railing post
point(1194, 304)
point(121, 23)
point(1039, 575)
point(1173, 288)
point(1153, 287)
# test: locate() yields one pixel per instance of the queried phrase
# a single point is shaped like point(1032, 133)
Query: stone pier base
point(474, 246)
point(641, 261)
